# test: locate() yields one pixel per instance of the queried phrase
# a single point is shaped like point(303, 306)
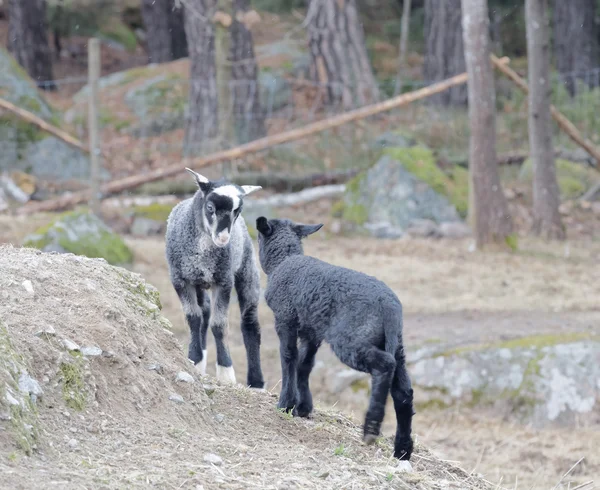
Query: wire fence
point(143, 124)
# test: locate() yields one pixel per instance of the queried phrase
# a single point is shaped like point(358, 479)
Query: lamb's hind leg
point(220, 329)
point(402, 395)
point(248, 291)
point(381, 366)
point(306, 362)
point(193, 316)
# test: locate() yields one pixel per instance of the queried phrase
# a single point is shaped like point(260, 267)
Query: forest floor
point(451, 297)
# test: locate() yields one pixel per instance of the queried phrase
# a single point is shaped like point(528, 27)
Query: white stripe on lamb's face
point(221, 210)
point(229, 191)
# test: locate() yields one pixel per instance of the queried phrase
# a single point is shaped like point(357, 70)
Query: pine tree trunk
point(444, 52)
point(28, 39)
point(491, 220)
point(577, 47)
point(165, 30)
point(158, 37)
point(248, 115)
point(179, 46)
point(339, 60)
point(546, 196)
point(202, 122)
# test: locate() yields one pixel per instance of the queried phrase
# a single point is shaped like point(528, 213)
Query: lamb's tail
point(392, 326)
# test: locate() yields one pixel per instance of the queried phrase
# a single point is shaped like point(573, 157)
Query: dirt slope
point(109, 420)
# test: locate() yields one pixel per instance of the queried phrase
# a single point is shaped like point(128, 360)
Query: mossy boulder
point(24, 146)
point(543, 380)
point(150, 219)
point(81, 233)
point(404, 187)
point(574, 179)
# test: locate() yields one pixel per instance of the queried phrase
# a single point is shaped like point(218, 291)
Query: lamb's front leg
point(288, 351)
point(219, 326)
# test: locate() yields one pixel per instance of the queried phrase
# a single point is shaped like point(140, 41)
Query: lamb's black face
point(280, 238)
point(222, 206)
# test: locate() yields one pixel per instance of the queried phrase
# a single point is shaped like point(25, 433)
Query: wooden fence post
point(93, 76)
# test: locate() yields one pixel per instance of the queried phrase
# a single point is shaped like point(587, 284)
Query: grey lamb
point(209, 248)
point(358, 315)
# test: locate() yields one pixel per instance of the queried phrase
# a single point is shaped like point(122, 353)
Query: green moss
point(155, 211)
point(350, 209)
point(360, 385)
point(92, 238)
point(420, 162)
point(512, 241)
point(30, 104)
point(120, 33)
point(73, 385)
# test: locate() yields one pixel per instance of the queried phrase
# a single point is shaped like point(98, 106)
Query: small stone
point(49, 330)
point(30, 386)
point(219, 417)
point(73, 444)
point(28, 287)
point(209, 389)
point(185, 377)
point(11, 399)
point(454, 229)
point(155, 367)
point(108, 353)
point(423, 228)
point(66, 414)
point(69, 345)
point(73, 429)
point(28, 428)
point(199, 487)
point(4, 416)
point(404, 467)
point(213, 459)
point(176, 398)
point(91, 351)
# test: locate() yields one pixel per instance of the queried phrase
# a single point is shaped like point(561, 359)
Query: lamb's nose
point(223, 238)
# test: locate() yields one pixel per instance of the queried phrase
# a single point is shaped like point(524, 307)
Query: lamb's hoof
point(302, 411)
point(369, 439)
point(200, 367)
point(403, 449)
point(226, 374)
point(404, 467)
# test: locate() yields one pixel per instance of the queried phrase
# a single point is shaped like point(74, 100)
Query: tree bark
point(404, 32)
point(202, 121)
point(546, 196)
point(444, 51)
point(339, 60)
point(179, 45)
point(28, 39)
point(490, 218)
point(248, 115)
point(577, 46)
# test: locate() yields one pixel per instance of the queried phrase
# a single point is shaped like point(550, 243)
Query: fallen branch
point(592, 193)
point(567, 126)
point(278, 182)
point(252, 147)
point(43, 125)
point(298, 198)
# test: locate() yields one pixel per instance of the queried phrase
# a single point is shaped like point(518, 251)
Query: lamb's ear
point(305, 230)
point(249, 189)
point(263, 226)
point(200, 179)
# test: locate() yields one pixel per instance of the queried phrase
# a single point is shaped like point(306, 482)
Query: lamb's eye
point(210, 208)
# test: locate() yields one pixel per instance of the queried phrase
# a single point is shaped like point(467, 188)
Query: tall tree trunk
point(444, 52)
point(202, 122)
point(158, 35)
point(576, 41)
point(491, 220)
point(28, 39)
point(404, 31)
point(179, 46)
point(546, 196)
point(339, 59)
point(248, 115)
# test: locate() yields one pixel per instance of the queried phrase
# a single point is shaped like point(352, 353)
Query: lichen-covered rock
point(540, 380)
point(574, 179)
point(81, 233)
point(24, 146)
point(404, 187)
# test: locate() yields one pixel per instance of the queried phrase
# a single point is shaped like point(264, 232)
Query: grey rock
point(344, 379)
point(184, 377)
point(391, 139)
point(30, 386)
point(147, 227)
point(91, 351)
point(67, 162)
point(28, 286)
point(275, 91)
point(11, 400)
point(391, 199)
point(213, 459)
point(176, 398)
point(423, 228)
point(73, 444)
point(553, 384)
point(48, 330)
point(219, 417)
point(69, 345)
point(454, 230)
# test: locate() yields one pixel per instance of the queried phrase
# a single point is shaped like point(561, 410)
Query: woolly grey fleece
point(357, 314)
